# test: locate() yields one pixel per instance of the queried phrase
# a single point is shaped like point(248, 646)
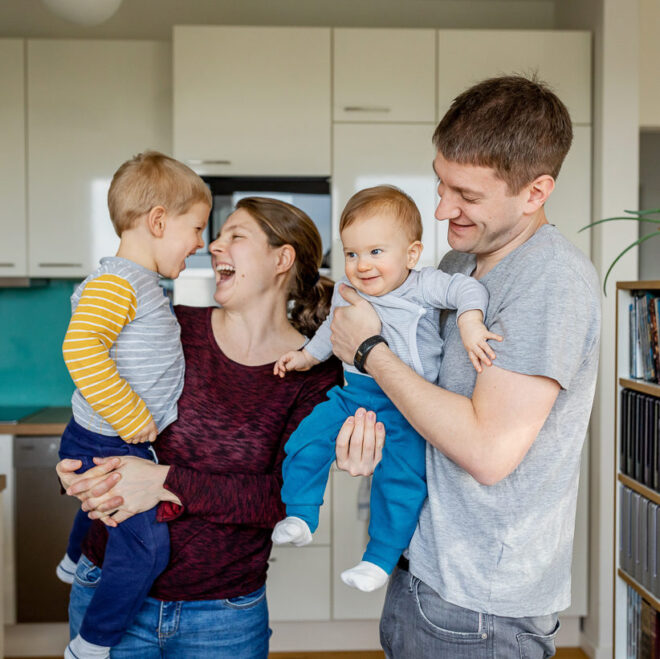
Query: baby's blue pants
point(398, 488)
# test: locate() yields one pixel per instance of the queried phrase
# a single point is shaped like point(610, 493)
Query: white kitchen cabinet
point(560, 58)
point(91, 106)
point(365, 155)
point(13, 220)
point(349, 542)
point(252, 100)
point(569, 205)
point(383, 75)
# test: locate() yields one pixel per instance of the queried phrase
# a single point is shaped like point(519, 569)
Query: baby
point(123, 352)
point(381, 230)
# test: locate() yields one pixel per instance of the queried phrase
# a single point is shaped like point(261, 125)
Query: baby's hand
point(295, 360)
point(147, 434)
point(475, 335)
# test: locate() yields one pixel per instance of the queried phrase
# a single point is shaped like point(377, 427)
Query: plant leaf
point(627, 249)
point(648, 212)
point(610, 219)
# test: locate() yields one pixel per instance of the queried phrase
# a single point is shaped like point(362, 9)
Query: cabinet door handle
point(365, 108)
point(209, 162)
point(7, 265)
point(60, 265)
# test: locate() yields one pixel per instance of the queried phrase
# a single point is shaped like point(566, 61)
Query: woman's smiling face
point(243, 261)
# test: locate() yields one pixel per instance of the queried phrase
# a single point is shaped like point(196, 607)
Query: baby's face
point(378, 253)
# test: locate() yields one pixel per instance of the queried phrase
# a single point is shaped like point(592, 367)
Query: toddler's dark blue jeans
point(137, 550)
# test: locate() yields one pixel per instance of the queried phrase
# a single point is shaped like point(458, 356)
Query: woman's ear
point(414, 252)
point(156, 221)
point(286, 257)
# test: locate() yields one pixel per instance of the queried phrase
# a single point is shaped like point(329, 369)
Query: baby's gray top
point(410, 317)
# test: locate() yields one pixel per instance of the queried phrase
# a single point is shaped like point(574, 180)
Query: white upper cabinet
point(562, 59)
point(396, 154)
point(91, 106)
point(13, 221)
point(252, 100)
point(383, 75)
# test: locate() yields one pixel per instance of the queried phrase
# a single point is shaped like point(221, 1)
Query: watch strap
point(364, 349)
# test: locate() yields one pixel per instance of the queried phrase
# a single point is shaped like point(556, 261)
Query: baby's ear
point(414, 252)
point(156, 218)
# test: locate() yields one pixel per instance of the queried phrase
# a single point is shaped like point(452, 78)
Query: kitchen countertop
point(47, 421)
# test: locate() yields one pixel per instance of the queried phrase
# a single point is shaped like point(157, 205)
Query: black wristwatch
point(364, 349)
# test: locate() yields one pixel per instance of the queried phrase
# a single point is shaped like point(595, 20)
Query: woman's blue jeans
point(234, 628)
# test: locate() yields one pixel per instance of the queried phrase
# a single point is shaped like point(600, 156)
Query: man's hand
point(359, 446)
point(353, 324)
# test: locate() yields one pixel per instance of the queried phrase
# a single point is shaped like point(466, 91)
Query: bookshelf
point(637, 487)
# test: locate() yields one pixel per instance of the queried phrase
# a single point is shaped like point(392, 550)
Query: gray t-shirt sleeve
point(444, 291)
point(547, 325)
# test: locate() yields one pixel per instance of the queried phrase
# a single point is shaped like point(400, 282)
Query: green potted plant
point(632, 216)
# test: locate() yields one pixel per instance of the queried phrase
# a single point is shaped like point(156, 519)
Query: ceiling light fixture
point(85, 12)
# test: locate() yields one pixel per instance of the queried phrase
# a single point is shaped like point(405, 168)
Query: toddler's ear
point(414, 252)
point(156, 221)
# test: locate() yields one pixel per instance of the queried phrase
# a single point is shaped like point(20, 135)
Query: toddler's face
point(183, 236)
point(378, 253)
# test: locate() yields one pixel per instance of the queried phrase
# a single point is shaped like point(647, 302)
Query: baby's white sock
point(293, 530)
point(66, 569)
point(365, 576)
point(79, 648)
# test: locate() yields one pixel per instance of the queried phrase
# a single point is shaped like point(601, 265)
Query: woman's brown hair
point(310, 294)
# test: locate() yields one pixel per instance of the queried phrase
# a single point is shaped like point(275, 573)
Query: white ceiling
point(153, 19)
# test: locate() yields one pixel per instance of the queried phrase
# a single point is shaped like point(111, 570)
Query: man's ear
point(286, 257)
point(414, 252)
point(538, 192)
point(156, 221)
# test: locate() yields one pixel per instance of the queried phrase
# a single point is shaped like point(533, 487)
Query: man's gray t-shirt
point(506, 549)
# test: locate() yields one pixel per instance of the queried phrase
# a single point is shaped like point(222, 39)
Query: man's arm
point(487, 435)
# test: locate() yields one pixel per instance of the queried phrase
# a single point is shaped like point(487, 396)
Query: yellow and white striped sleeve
point(107, 304)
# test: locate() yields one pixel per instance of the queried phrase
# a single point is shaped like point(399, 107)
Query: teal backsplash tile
point(33, 322)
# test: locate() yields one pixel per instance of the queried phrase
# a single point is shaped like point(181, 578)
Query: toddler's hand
point(147, 434)
point(294, 360)
point(475, 335)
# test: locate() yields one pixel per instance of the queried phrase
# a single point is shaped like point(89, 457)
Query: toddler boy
point(381, 232)
point(123, 351)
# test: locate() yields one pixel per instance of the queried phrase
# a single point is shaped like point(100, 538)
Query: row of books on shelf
point(639, 451)
point(644, 339)
point(642, 628)
point(639, 549)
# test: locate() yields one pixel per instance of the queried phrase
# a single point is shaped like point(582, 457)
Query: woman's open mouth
point(225, 271)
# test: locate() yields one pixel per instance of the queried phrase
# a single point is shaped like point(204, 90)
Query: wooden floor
point(562, 653)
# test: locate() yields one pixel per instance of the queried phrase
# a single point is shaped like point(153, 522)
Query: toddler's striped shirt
point(123, 351)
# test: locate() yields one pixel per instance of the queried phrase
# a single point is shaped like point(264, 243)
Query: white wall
point(615, 24)
point(153, 19)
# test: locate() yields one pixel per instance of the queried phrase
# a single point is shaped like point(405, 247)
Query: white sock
point(365, 576)
point(79, 648)
point(66, 569)
point(293, 530)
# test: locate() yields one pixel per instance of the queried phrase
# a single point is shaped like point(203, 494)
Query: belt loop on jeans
point(403, 563)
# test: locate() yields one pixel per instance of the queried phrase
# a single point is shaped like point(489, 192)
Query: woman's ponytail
point(311, 307)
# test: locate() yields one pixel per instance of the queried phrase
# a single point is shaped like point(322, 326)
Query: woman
point(219, 478)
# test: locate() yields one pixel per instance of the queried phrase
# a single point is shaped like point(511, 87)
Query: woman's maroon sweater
point(226, 451)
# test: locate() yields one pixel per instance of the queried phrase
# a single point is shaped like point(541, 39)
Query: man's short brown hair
point(153, 179)
point(512, 124)
point(367, 202)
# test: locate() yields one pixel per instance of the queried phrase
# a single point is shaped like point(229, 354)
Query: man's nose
point(446, 210)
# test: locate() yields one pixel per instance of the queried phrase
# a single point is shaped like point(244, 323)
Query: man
point(489, 564)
